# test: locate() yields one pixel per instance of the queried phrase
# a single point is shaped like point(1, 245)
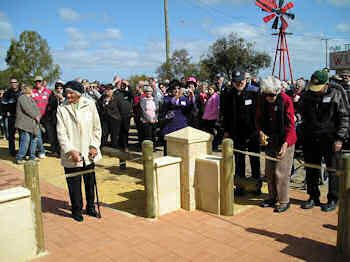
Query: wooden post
point(343, 237)
point(226, 179)
point(31, 181)
point(148, 167)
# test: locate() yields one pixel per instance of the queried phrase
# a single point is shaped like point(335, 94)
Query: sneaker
point(310, 204)
point(330, 206)
point(19, 162)
point(42, 156)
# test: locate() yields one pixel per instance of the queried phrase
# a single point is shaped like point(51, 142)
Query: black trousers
point(252, 145)
point(149, 131)
point(209, 127)
point(52, 137)
point(110, 126)
point(124, 132)
point(314, 149)
point(74, 186)
point(12, 133)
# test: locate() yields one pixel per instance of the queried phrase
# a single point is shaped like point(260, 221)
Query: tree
point(4, 79)
point(227, 53)
point(179, 65)
point(30, 56)
point(134, 79)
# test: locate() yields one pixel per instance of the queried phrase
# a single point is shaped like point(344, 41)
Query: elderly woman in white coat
point(79, 136)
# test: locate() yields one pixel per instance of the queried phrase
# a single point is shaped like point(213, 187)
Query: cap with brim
point(345, 73)
point(59, 82)
point(238, 75)
point(38, 78)
point(318, 81)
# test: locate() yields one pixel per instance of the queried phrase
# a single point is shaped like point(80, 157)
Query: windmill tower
point(279, 12)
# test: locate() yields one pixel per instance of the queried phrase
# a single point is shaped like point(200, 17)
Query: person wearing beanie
point(79, 135)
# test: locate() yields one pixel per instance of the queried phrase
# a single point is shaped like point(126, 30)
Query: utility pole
point(326, 39)
point(167, 41)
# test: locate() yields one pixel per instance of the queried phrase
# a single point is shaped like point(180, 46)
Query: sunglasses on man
point(269, 95)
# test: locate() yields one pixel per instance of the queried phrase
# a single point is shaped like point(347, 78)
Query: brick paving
point(253, 235)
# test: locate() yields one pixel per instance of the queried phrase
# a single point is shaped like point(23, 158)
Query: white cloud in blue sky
point(6, 30)
point(92, 40)
point(68, 15)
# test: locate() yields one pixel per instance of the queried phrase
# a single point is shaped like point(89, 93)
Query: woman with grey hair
point(27, 122)
point(276, 127)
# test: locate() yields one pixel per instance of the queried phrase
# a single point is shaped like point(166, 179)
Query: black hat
point(75, 86)
point(238, 74)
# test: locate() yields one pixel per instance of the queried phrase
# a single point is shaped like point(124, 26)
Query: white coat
point(78, 129)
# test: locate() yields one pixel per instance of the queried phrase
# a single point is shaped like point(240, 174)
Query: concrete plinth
point(188, 143)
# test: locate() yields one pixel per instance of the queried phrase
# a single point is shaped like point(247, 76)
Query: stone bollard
point(31, 181)
point(343, 237)
point(226, 180)
point(148, 165)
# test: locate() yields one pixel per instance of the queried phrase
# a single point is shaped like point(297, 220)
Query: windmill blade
point(268, 18)
point(281, 3)
point(284, 24)
point(287, 7)
point(275, 23)
point(290, 15)
point(264, 5)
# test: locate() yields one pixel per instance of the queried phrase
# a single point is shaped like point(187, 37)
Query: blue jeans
point(38, 141)
point(25, 141)
point(6, 127)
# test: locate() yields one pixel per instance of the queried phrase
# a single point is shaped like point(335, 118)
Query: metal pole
point(167, 41)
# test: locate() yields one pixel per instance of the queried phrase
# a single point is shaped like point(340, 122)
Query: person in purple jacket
point(211, 114)
point(174, 110)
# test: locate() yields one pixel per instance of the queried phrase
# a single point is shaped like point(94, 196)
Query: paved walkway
point(253, 235)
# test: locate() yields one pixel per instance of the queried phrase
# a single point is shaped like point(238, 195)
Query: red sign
point(339, 60)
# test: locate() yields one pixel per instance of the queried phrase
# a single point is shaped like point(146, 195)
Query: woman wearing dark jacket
point(55, 99)
point(174, 110)
point(275, 124)
point(27, 122)
point(110, 116)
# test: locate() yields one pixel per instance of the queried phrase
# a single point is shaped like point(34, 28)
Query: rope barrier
point(314, 166)
point(80, 173)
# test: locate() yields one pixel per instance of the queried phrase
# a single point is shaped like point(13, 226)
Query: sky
point(97, 40)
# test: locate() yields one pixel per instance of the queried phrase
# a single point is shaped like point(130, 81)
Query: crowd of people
point(79, 117)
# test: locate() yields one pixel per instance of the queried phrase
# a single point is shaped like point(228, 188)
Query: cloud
point(6, 30)
point(76, 38)
point(343, 28)
point(68, 15)
point(336, 3)
point(109, 34)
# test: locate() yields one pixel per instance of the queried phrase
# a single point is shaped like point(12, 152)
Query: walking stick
point(95, 188)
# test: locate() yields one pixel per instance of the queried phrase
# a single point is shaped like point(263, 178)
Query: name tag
point(183, 103)
point(275, 108)
point(326, 99)
point(248, 102)
point(44, 97)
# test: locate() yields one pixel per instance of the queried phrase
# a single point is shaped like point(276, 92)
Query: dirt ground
point(123, 190)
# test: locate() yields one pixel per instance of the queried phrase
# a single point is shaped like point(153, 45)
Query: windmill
point(280, 15)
